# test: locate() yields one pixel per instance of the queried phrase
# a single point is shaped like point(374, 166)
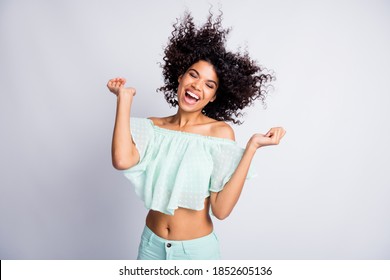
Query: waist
point(185, 224)
point(149, 236)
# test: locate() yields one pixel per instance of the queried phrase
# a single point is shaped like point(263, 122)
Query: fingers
point(116, 82)
point(117, 87)
point(276, 134)
point(269, 133)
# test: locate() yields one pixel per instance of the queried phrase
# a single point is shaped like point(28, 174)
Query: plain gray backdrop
point(323, 193)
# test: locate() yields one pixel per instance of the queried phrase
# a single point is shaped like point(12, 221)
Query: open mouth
point(191, 98)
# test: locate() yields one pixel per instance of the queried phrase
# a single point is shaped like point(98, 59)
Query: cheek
point(179, 87)
point(213, 95)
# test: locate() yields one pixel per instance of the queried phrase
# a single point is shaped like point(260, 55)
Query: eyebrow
point(211, 81)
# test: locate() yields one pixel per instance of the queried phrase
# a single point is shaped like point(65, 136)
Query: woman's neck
point(183, 119)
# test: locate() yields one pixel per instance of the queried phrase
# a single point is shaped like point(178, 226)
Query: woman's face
point(197, 87)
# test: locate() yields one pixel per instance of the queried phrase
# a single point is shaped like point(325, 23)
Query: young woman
point(185, 165)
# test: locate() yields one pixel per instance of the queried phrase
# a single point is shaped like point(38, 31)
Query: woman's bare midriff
point(185, 224)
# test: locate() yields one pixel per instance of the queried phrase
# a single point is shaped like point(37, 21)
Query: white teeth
point(193, 95)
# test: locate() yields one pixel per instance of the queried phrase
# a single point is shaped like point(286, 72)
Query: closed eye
point(211, 86)
point(210, 83)
point(193, 74)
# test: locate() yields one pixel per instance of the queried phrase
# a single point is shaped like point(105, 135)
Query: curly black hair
point(241, 79)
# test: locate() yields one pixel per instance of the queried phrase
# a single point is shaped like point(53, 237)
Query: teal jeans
point(153, 247)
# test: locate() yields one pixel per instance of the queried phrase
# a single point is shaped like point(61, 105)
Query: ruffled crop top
point(179, 169)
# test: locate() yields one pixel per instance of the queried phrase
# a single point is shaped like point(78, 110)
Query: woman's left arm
point(223, 202)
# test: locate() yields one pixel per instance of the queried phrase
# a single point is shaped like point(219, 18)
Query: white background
point(322, 194)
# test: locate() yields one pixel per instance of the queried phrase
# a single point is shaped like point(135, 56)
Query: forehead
point(205, 69)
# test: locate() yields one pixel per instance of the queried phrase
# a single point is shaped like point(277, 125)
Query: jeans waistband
point(150, 235)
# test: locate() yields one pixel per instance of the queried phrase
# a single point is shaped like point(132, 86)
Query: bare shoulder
point(221, 129)
point(153, 119)
point(158, 121)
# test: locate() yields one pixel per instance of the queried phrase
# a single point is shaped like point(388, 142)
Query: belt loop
point(150, 237)
point(184, 247)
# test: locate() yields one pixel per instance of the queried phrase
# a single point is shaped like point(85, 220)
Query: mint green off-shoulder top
point(179, 169)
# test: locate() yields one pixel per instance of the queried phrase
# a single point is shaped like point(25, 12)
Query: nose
point(196, 85)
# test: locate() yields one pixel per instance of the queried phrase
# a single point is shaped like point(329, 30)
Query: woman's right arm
point(123, 151)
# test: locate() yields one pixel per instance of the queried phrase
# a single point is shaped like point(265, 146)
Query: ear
point(213, 98)
point(179, 79)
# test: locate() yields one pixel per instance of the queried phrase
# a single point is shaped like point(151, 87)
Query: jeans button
point(169, 245)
